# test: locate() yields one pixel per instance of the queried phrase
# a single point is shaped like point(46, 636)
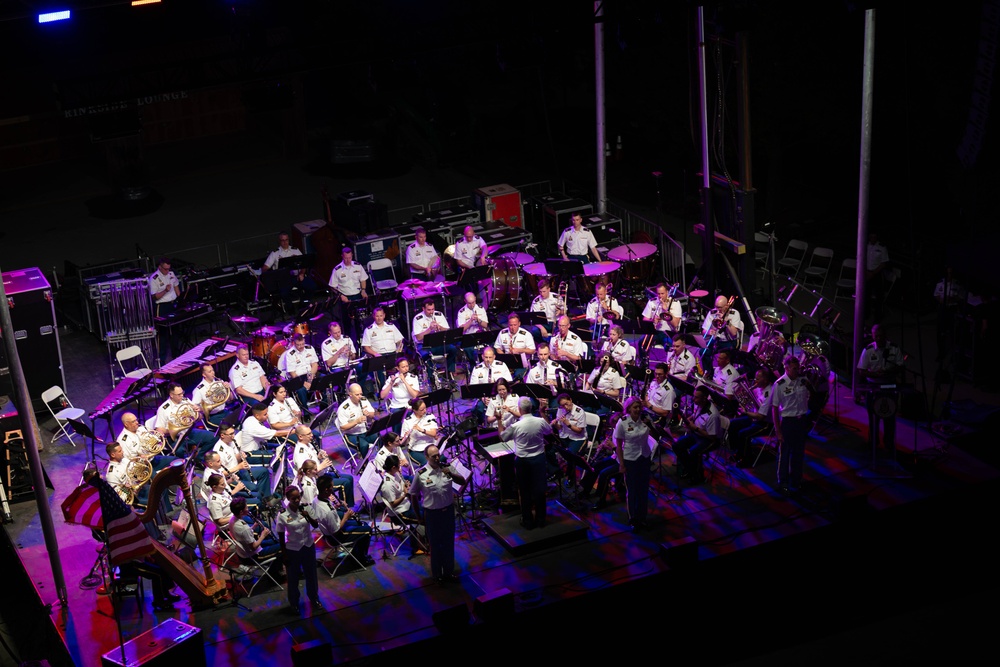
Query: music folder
point(292, 385)
point(482, 390)
point(564, 267)
point(479, 339)
point(535, 391)
point(441, 338)
point(386, 422)
point(585, 399)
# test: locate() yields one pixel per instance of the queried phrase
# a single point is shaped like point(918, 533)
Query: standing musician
point(471, 318)
point(400, 387)
point(723, 324)
point(725, 374)
point(571, 422)
point(309, 455)
point(253, 436)
point(432, 492)
point(546, 371)
point(660, 398)
point(488, 371)
point(515, 340)
point(421, 256)
point(420, 430)
point(350, 281)
point(248, 378)
point(504, 406)
point(200, 438)
point(881, 362)
point(603, 308)
point(631, 438)
point(680, 360)
point(256, 479)
point(352, 419)
point(789, 410)
point(338, 350)
point(215, 413)
point(295, 525)
point(300, 359)
point(752, 423)
point(565, 344)
point(165, 289)
point(550, 304)
point(619, 348)
point(665, 313)
point(605, 379)
point(381, 337)
point(428, 321)
point(577, 243)
point(470, 250)
point(704, 428)
point(528, 434)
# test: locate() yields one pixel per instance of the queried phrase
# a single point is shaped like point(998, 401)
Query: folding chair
point(593, 421)
point(382, 265)
point(352, 461)
point(242, 566)
point(338, 551)
point(795, 254)
point(846, 279)
point(819, 267)
point(129, 354)
point(55, 394)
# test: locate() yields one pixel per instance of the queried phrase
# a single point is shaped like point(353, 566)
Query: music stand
point(292, 385)
point(438, 397)
point(581, 463)
point(86, 432)
point(584, 399)
point(534, 318)
point(327, 414)
point(482, 390)
point(479, 339)
point(135, 392)
point(475, 274)
point(277, 469)
point(568, 268)
point(386, 422)
point(512, 360)
point(296, 262)
point(587, 366)
point(441, 338)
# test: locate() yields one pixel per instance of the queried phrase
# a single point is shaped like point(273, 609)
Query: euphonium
point(745, 397)
point(215, 396)
point(183, 418)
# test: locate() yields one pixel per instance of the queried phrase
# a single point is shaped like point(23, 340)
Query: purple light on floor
point(49, 17)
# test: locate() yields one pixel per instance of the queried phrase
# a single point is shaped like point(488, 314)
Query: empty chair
point(762, 249)
point(378, 269)
point(819, 267)
point(845, 281)
point(131, 354)
point(55, 397)
point(795, 254)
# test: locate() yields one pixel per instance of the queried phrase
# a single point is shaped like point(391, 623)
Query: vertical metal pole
point(708, 240)
point(602, 162)
point(23, 401)
point(860, 291)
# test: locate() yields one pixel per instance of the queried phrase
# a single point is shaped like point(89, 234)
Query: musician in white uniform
point(470, 250)
point(577, 243)
point(603, 309)
point(391, 447)
point(665, 313)
point(428, 321)
point(725, 374)
point(254, 435)
point(284, 251)
point(219, 499)
point(381, 337)
point(421, 257)
point(545, 371)
point(256, 479)
point(728, 335)
point(752, 422)
point(300, 359)
point(515, 340)
point(790, 413)
point(488, 371)
point(294, 526)
point(548, 303)
point(130, 440)
point(196, 437)
point(605, 379)
point(219, 413)
point(504, 405)
point(704, 429)
point(400, 388)
point(165, 289)
point(566, 345)
point(880, 363)
point(349, 278)
point(680, 360)
point(248, 378)
point(340, 523)
point(471, 318)
point(619, 348)
point(338, 350)
point(571, 425)
point(631, 438)
point(420, 430)
point(396, 491)
point(352, 419)
point(300, 276)
point(660, 396)
point(116, 476)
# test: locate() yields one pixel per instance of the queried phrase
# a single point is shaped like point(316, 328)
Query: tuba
point(182, 419)
point(215, 396)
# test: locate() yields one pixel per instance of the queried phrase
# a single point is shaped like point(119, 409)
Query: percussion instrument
point(600, 273)
point(292, 328)
point(263, 341)
point(698, 293)
point(246, 319)
point(278, 349)
point(521, 259)
point(532, 274)
point(391, 310)
point(636, 260)
point(505, 289)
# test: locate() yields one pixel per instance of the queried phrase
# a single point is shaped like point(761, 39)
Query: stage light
point(49, 17)
point(137, 3)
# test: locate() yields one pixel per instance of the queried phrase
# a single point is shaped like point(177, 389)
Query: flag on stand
point(83, 506)
point(96, 505)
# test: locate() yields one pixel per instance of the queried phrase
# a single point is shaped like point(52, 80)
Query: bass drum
point(275, 354)
point(263, 341)
point(503, 292)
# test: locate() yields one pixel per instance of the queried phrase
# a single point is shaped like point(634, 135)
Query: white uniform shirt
point(115, 474)
point(303, 453)
point(383, 453)
point(572, 344)
point(295, 528)
point(726, 377)
point(326, 516)
point(281, 253)
point(383, 339)
point(421, 255)
point(592, 309)
point(790, 397)
point(253, 435)
point(392, 488)
point(131, 447)
point(654, 306)
point(399, 397)
point(548, 306)
point(307, 487)
point(577, 417)
point(622, 351)
point(661, 396)
point(434, 489)
point(477, 314)
point(347, 280)
point(294, 363)
point(483, 374)
point(470, 251)
point(634, 436)
point(577, 242)
point(218, 506)
point(709, 420)
point(282, 412)
point(331, 346)
point(680, 365)
point(528, 434)
point(227, 454)
point(165, 411)
point(732, 318)
point(611, 379)
point(422, 323)
point(348, 412)
point(506, 341)
point(247, 376)
point(198, 395)
point(542, 373)
point(877, 359)
point(876, 256)
point(159, 282)
point(418, 441)
point(494, 407)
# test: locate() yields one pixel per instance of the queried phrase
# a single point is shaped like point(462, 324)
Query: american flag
point(96, 505)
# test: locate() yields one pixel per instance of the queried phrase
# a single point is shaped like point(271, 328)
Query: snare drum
point(533, 274)
point(263, 341)
point(600, 273)
point(637, 261)
point(291, 329)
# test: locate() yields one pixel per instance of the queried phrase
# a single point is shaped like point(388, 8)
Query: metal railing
point(673, 266)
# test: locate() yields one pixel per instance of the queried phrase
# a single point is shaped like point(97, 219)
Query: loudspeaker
point(495, 606)
point(680, 553)
point(451, 619)
point(317, 653)
point(169, 643)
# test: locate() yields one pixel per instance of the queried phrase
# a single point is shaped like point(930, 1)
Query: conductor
point(528, 434)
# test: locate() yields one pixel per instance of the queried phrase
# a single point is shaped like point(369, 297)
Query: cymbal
point(698, 293)
point(412, 282)
point(246, 319)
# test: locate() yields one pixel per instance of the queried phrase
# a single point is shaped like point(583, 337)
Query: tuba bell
point(182, 419)
point(745, 397)
point(215, 396)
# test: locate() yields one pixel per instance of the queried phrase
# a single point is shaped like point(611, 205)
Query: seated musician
point(680, 360)
point(470, 250)
point(283, 412)
point(430, 320)
point(214, 408)
point(169, 422)
point(605, 379)
point(619, 348)
point(248, 378)
point(752, 422)
point(300, 359)
point(545, 371)
point(880, 363)
point(503, 405)
point(577, 243)
point(420, 430)
point(665, 313)
point(340, 523)
point(660, 397)
point(487, 372)
point(725, 374)
point(115, 474)
point(220, 499)
point(603, 309)
point(308, 451)
point(352, 419)
point(395, 493)
point(234, 486)
point(604, 469)
point(422, 257)
point(240, 529)
point(305, 480)
point(471, 318)
point(550, 304)
point(338, 350)
point(131, 441)
point(400, 388)
point(722, 325)
point(254, 435)
point(571, 423)
point(381, 337)
point(515, 340)
point(704, 429)
point(257, 479)
point(566, 345)
point(391, 447)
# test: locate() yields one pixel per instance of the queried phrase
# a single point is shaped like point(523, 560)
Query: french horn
point(215, 396)
point(182, 419)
